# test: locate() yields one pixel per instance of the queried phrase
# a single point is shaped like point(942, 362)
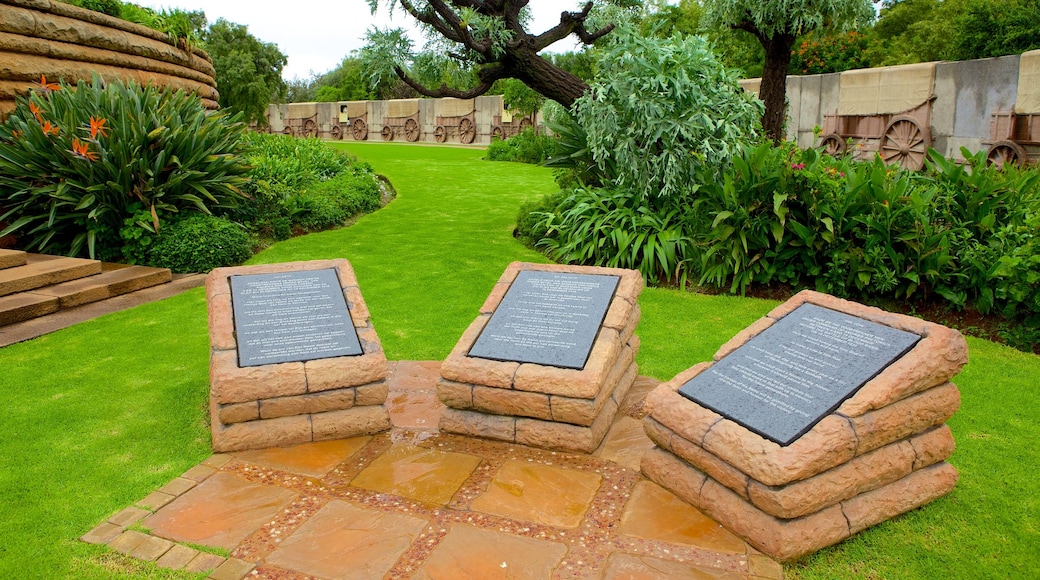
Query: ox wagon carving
point(402, 119)
point(1015, 134)
point(353, 121)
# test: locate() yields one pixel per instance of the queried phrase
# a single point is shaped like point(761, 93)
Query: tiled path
point(416, 505)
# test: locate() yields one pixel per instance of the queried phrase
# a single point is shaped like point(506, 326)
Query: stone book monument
point(818, 421)
point(548, 360)
point(293, 356)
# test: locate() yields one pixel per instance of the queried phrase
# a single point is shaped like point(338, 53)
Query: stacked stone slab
point(538, 405)
point(880, 454)
point(289, 403)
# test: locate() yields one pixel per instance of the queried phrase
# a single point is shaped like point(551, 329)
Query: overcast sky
point(317, 34)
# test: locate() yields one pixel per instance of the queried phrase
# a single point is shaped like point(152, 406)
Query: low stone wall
point(61, 41)
point(880, 454)
point(296, 402)
point(539, 405)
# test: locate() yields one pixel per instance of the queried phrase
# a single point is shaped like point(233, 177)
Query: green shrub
point(329, 203)
point(661, 112)
point(200, 243)
point(110, 7)
point(75, 164)
point(524, 147)
point(293, 162)
point(530, 219)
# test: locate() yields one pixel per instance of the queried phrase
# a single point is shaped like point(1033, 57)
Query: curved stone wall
point(61, 41)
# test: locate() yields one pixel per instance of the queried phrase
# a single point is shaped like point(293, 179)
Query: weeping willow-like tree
point(777, 24)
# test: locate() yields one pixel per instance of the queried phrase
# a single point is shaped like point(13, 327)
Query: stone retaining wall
point(61, 41)
point(880, 454)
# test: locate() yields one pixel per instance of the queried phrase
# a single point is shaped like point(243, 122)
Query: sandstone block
point(829, 443)
point(743, 336)
point(566, 437)
point(373, 394)
point(620, 313)
point(912, 491)
point(457, 395)
point(629, 330)
point(686, 418)
point(345, 271)
point(509, 402)
point(495, 298)
point(461, 368)
point(474, 424)
point(696, 456)
point(659, 465)
point(345, 371)
point(217, 283)
point(305, 404)
point(352, 422)
point(900, 321)
point(221, 323)
point(230, 383)
point(863, 473)
point(907, 417)
point(557, 381)
point(238, 412)
point(933, 446)
point(370, 343)
point(263, 433)
point(356, 304)
point(631, 285)
point(584, 411)
point(936, 359)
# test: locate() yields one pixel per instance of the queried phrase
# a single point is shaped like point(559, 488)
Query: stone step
point(11, 258)
point(115, 279)
point(25, 306)
point(41, 270)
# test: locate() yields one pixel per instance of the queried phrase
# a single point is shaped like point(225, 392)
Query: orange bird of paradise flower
point(97, 127)
point(49, 129)
point(48, 86)
point(81, 149)
point(35, 110)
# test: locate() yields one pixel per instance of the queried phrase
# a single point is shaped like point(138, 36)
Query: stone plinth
point(296, 402)
point(881, 453)
point(539, 405)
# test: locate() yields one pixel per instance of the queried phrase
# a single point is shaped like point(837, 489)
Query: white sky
point(317, 34)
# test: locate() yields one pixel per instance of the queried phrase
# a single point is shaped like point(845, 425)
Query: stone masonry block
point(461, 368)
point(345, 371)
point(455, 395)
point(263, 433)
point(907, 417)
point(659, 465)
point(566, 437)
point(933, 446)
point(306, 404)
point(620, 313)
point(221, 323)
point(352, 422)
point(473, 424)
point(913, 491)
point(936, 359)
point(584, 411)
point(230, 383)
point(863, 473)
point(238, 412)
point(828, 444)
point(370, 343)
point(688, 419)
point(495, 297)
point(712, 466)
point(373, 394)
point(345, 271)
point(509, 402)
point(581, 384)
point(356, 304)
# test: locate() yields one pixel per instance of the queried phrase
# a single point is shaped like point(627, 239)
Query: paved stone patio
point(415, 504)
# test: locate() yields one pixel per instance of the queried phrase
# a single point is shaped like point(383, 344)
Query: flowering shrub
point(819, 54)
point(77, 163)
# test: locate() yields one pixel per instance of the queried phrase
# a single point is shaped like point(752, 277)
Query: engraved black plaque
point(782, 382)
point(291, 316)
point(548, 318)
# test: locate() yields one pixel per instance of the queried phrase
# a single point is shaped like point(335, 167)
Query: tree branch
point(571, 22)
point(487, 75)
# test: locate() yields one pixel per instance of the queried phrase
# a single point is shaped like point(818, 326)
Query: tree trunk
point(773, 91)
point(546, 79)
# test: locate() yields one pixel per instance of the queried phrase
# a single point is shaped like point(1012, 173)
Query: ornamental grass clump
point(88, 169)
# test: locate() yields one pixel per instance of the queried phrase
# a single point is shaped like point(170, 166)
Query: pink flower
point(797, 166)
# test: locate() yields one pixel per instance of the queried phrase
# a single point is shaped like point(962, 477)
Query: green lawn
point(98, 415)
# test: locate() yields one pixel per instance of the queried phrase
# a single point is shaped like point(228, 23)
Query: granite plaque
point(782, 382)
point(547, 318)
point(290, 317)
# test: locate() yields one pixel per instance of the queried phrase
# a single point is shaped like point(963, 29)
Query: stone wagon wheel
point(310, 128)
point(411, 130)
point(467, 132)
point(359, 129)
point(387, 133)
point(497, 132)
point(833, 145)
point(440, 134)
point(287, 131)
point(1003, 153)
point(337, 132)
point(525, 124)
point(905, 143)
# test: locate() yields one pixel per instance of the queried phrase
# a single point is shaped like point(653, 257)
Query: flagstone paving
point(414, 504)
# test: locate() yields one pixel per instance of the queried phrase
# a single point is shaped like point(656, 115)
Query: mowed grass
point(97, 416)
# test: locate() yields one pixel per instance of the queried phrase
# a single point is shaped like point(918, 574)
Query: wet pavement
point(414, 504)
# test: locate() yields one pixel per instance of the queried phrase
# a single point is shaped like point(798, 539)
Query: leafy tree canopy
point(249, 72)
